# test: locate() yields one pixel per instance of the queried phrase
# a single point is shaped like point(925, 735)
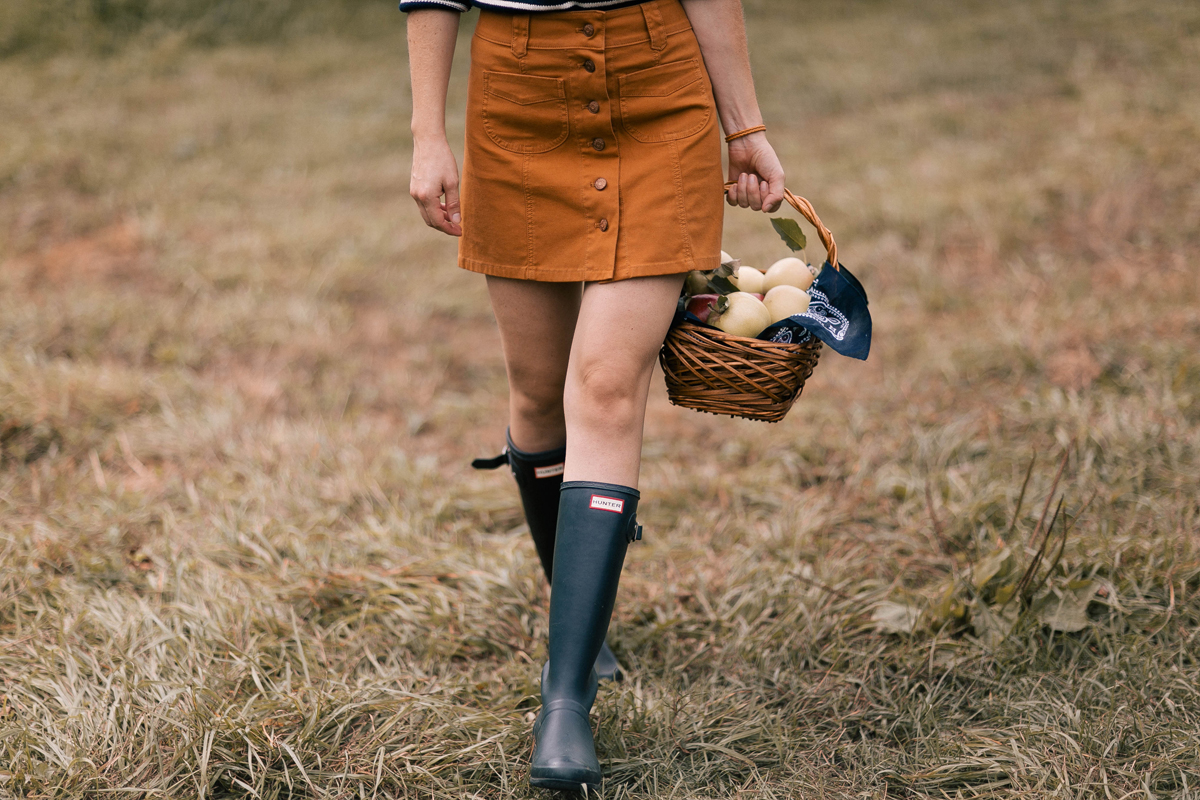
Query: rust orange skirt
point(592, 149)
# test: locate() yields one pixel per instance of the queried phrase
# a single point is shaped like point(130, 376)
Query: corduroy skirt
point(592, 148)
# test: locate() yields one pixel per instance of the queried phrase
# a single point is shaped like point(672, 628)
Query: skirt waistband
point(651, 21)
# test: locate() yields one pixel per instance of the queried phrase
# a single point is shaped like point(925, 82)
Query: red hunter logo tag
point(607, 504)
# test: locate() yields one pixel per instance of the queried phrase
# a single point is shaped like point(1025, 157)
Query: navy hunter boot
point(596, 523)
point(539, 475)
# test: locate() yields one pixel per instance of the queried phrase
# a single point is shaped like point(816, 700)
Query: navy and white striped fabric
point(515, 6)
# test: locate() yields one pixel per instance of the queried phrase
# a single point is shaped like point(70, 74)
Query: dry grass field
point(242, 554)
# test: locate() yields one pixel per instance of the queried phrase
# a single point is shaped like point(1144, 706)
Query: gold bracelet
point(747, 132)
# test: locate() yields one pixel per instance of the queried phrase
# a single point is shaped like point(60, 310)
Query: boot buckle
point(635, 533)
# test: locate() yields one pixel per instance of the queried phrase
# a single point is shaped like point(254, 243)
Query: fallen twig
point(1021, 498)
point(937, 525)
point(1049, 497)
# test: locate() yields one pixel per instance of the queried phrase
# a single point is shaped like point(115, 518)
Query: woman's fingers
point(453, 211)
point(422, 207)
point(773, 197)
point(751, 191)
point(773, 183)
point(755, 193)
point(735, 191)
point(758, 173)
point(448, 224)
point(431, 209)
point(434, 176)
point(748, 193)
point(445, 217)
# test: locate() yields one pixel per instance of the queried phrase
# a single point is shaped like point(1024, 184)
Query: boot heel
point(607, 666)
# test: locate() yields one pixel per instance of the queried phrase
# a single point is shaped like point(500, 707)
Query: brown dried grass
point(239, 384)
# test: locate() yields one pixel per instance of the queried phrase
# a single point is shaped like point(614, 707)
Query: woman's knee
point(538, 406)
point(610, 392)
point(536, 388)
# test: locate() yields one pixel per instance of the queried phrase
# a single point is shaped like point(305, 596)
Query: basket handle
point(809, 213)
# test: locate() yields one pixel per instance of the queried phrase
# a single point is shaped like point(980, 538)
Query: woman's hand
point(434, 176)
point(758, 173)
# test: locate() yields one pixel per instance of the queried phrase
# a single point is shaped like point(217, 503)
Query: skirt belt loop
point(520, 35)
point(654, 25)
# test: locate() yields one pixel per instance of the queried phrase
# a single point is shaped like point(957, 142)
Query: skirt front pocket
point(524, 113)
point(665, 102)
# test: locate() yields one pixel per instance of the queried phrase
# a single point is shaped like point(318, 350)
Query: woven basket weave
point(710, 370)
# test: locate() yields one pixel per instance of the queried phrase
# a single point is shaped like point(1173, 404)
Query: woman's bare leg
point(617, 337)
point(537, 321)
point(620, 328)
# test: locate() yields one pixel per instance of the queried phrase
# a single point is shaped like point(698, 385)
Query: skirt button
point(600, 184)
point(598, 144)
point(589, 29)
point(602, 225)
point(589, 65)
point(593, 107)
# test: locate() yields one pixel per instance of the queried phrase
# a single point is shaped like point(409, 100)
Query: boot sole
point(564, 784)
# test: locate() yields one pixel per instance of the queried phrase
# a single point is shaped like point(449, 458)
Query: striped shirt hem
point(444, 4)
point(518, 5)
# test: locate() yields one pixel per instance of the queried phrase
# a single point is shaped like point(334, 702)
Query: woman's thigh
point(537, 322)
point(620, 330)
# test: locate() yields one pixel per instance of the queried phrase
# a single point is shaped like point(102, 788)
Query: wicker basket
point(710, 370)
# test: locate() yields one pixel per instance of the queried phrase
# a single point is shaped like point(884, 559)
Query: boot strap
point(491, 463)
point(559, 705)
point(565, 704)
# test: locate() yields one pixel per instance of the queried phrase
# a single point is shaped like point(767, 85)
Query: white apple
point(790, 272)
point(743, 315)
point(785, 301)
point(748, 279)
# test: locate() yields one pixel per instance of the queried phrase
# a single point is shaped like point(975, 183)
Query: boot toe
point(564, 754)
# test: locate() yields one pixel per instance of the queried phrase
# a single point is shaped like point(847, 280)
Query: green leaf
point(997, 564)
point(789, 231)
point(948, 607)
point(719, 280)
point(1005, 593)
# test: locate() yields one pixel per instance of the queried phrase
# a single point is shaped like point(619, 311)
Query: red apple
point(701, 305)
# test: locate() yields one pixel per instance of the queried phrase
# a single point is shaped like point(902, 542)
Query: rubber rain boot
point(596, 523)
point(539, 476)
